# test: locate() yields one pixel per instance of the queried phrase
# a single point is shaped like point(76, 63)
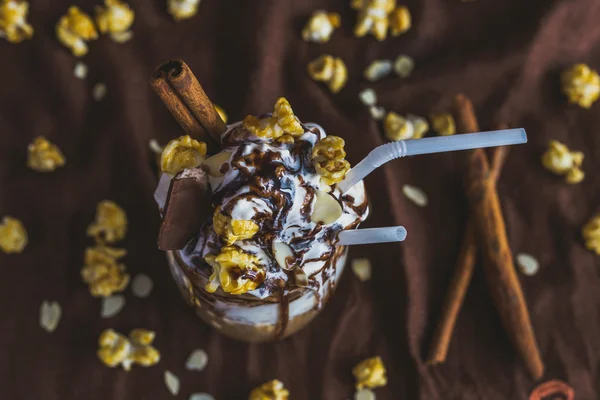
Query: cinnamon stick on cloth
point(461, 278)
point(466, 122)
point(178, 88)
point(500, 272)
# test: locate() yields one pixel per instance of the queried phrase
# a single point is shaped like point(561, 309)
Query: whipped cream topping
point(274, 184)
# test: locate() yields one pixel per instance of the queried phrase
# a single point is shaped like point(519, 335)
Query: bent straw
point(404, 148)
point(372, 235)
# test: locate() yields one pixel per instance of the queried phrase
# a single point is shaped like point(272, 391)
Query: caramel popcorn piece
point(44, 156)
point(328, 158)
point(282, 121)
point(397, 127)
point(591, 234)
point(102, 272)
point(330, 70)
point(581, 85)
point(378, 69)
point(182, 9)
point(75, 29)
point(115, 19)
point(181, 153)
point(272, 390)
point(221, 113)
point(111, 223)
point(320, 26)
point(370, 373)
point(233, 230)
point(13, 236)
point(236, 271)
point(400, 21)
point(560, 160)
point(443, 124)
point(373, 17)
point(116, 349)
point(13, 21)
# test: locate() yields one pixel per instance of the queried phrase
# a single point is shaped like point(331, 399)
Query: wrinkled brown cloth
point(505, 55)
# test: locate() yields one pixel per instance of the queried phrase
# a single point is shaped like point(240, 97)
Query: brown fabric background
point(505, 55)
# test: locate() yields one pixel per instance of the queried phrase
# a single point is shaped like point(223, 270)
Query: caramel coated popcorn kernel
point(13, 236)
point(116, 349)
point(581, 85)
point(400, 21)
point(103, 274)
point(591, 234)
point(74, 29)
point(233, 230)
point(397, 127)
point(111, 223)
point(370, 373)
point(403, 66)
point(272, 390)
point(13, 21)
point(182, 9)
point(44, 156)
point(181, 153)
point(320, 26)
point(443, 124)
point(378, 69)
point(560, 160)
point(330, 70)
point(282, 122)
point(236, 271)
point(115, 19)
point(328, 158)
point(373, 17)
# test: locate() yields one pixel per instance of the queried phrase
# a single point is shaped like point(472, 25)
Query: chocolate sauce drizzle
point(272, 172)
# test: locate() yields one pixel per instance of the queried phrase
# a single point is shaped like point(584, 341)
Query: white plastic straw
point(372, 235)
point(404, 148)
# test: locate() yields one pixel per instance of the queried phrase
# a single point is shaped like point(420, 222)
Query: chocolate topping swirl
point(274, 184)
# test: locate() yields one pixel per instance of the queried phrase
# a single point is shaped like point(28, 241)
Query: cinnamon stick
point(178, 88)
point(503, 283)
point(459, 283)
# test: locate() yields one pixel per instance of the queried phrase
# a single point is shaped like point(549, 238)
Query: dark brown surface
point(505, 55)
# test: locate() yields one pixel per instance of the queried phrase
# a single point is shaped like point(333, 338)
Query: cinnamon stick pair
point(178, 88)
point(188, 204)
point(466, 123)
point(486, 229)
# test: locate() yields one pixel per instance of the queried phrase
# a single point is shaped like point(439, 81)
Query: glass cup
point(245, 317)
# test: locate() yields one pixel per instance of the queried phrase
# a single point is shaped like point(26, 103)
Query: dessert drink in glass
point(257, 215)
point(266, 258)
